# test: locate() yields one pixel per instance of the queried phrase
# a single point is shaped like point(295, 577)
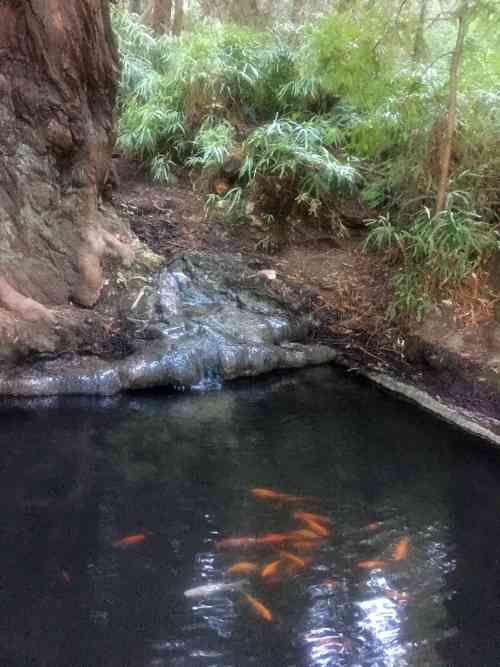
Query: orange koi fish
point(270, 569)
point(316, 527)
point(269, 494)
point(400, 550)
point(293, 559)
point(235, 542)
point(371, 564)
point(295, 564)
point(261, 610)
point(302, 535)
point(272, 538)
point(243, 567)
point(309, 516)
point(130, 539)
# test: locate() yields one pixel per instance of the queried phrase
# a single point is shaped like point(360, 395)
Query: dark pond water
point(77, 476)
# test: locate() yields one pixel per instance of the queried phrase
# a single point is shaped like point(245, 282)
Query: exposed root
point(22, 306)
point(98, 245)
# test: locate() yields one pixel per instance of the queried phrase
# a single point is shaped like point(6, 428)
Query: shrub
point(436, 253)
point(298, 152)
point(212, 144)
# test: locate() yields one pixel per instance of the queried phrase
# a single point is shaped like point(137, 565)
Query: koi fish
point(269, 494)
point(318, 528)
point(272, 538)
point(371, 564)
point(309, 516)
point(235, 542)
point(270, 569)
point(214, 589)
point(66, 578)
point(243, 567)
point(130, 539)
point(315, 527)
point(295, 564)
point(261, 610)
point(293, 559)
point(400, 550)
point(302, 535)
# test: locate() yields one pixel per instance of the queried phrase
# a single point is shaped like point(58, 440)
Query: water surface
point(78, 475)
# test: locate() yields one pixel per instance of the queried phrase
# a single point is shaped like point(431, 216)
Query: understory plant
point(342, 107)
point(435, 254)
point(300, 153)
point(213, 143)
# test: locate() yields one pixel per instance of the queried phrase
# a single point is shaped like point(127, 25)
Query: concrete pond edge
point(486, 428)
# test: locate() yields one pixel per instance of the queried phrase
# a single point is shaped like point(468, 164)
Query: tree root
point(22, 306)
point(98, 245)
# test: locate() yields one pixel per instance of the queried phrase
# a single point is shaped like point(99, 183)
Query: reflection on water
point(77, 476)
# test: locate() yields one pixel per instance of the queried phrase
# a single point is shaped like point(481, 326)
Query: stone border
point(477, 425)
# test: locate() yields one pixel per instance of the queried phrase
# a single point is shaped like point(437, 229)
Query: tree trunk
point(419, 46)
point(245, 12)
point(297, 10)
point(451, 119)
point(159, 15)
point(135, 6)
point(58, 66)
point(178, 17)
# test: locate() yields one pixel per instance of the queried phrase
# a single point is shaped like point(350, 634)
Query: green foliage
point(176, 95)
point(312, 110)
point(356, 57)
point(436, 253)
point(298, 151)
point(231, 204)
point(153, 132)
point(212, 144)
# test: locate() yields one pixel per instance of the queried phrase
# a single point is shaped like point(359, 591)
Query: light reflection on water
point(179, 469)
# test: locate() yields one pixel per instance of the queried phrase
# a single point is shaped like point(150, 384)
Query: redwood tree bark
point(58, 66)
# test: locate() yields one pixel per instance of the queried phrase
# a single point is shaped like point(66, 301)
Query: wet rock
point(203, 322)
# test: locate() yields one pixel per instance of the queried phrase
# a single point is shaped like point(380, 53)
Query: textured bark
point(451, 121)
point(178, 17)
point(159, 15)
point(298, 7)
point(419, 45)
point(58, 67)
point(135, 6)
point(245, 12)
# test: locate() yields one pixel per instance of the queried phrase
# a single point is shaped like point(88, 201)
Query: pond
point(113, 509)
